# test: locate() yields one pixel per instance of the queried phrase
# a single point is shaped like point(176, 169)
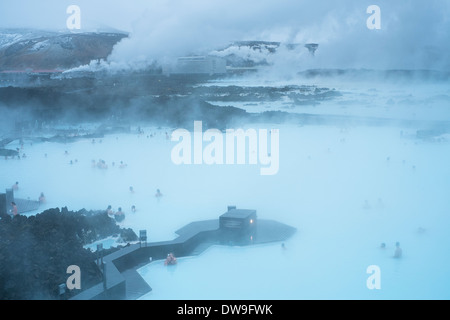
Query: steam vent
point(234, 227)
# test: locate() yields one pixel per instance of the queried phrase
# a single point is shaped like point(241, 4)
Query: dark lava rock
point(8, 153)
point(36, 251)
point(128, 235)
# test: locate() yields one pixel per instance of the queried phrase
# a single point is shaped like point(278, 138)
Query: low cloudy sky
point(414, 33)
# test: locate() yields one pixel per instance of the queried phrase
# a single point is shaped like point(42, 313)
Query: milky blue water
point(346, 189)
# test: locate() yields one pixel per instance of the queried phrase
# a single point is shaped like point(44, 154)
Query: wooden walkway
point(265, 232)
point(26, 205)
point(193, 239)
point(135, 285)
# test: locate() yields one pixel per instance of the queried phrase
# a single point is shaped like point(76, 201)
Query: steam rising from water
point(413, 34)
point(346, 189)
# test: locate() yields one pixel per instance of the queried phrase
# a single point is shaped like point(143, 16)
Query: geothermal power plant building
point(198, 65)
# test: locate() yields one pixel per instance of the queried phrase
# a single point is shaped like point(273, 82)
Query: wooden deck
point(192, 239)
point(135, 285)
point(24, 206)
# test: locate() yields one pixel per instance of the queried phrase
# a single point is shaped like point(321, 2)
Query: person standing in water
point(14, 209)
point(42, 198)
point(109, 211)
point(170, 260)
point(398, 251)
point(119, 215)
point(158, 193)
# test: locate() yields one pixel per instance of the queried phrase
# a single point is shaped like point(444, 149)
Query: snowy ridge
point(9, 37)
point(45, 50)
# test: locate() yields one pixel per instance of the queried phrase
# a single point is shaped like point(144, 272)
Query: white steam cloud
point(414, 34)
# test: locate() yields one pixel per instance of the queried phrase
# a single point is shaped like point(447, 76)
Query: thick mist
point(413, 34)
point(346, 189)
point(363, 153)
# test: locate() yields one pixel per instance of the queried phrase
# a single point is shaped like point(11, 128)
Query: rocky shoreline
point(36, 251)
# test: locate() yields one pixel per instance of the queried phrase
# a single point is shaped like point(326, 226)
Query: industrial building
point(197, 65)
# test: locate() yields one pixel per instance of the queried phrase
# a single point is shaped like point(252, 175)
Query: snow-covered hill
point(22, 49)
